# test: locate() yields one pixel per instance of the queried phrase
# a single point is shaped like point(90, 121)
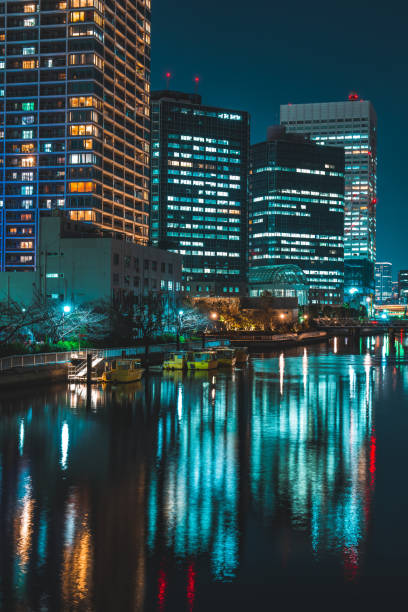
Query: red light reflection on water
point(191, 576)
point(350, 562)
point(162, 589)
point(373, 451)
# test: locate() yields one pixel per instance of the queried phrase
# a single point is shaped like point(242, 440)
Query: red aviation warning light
point(168, 77)
point(353, 96)
point(196, 83)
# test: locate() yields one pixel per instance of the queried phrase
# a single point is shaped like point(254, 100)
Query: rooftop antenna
point(196, 83)
point(168, 77)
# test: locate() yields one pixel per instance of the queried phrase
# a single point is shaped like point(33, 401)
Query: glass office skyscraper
point(296, 213)
point(199, 190)
point(353, 125)
point(74, 119)
point(383, 282)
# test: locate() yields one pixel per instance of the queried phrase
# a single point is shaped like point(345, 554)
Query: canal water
point(284, 482)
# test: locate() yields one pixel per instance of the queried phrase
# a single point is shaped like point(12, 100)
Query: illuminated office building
point(383, 282)
point(75, 125)
point(296, 214)
point(353, 125)
point(199, 190)
point(403, 286)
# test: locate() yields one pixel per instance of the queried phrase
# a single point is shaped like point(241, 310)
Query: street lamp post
point(66, 309)
point(179, 315)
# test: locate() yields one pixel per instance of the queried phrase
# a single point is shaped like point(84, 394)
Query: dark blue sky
point(257, 54)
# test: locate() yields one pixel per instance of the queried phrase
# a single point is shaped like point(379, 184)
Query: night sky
point(257, 54)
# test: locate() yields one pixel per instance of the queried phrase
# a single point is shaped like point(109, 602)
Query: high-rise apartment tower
point(74, 119)
point(199, 190)
point(353, 125)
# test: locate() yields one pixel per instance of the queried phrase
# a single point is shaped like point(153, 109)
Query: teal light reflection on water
point(150, 495)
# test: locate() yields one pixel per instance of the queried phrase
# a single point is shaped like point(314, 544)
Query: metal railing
point(39, 359)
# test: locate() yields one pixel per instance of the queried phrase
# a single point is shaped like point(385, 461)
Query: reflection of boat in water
point(226, 357)
point(124, 390)
point(241, 355)
point(176, 361)
point(122, 371)
point(202, 360)
point(204, 375)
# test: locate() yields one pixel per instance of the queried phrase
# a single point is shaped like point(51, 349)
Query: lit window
point(27, 148)
point(26, 245)
point(12, 230)
point(28, 162)
point(2, 64)
point(81, 130)
point(27, 176)
point(81, 158)
point(27, 106)
point(83, 101)
point(88, 144)
point(78, 16)
point(81, 187)
point(28, 50)
point(30, 22)
point(27, 134)
point(29, 8)
point(27, 190)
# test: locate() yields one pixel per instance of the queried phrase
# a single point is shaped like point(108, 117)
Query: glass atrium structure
point(280, 281)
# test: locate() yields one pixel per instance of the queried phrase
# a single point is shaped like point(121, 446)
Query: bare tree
point(58, 325)
point(149, 317)
point(15, 318)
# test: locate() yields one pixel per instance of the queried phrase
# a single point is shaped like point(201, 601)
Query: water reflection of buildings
point(109, 499)
point(313, 448)
point(68, 503)
point(193, 493)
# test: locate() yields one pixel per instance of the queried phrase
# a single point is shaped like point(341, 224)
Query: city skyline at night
point(309, 60)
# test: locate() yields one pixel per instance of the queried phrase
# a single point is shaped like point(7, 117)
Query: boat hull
point(122, 376)
point(202, 365)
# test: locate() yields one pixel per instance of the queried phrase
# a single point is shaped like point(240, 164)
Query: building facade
point(403, 286)
point(296, 214)
point(199, 190)
point(353, 125)
point(383, 282)
point(74, 119)
point(76, 264)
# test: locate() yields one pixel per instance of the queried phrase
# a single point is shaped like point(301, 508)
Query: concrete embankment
point(277, 341)
point(29, 376)
point(22, 377)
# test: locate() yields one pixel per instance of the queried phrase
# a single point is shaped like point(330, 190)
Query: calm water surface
point(210, 492)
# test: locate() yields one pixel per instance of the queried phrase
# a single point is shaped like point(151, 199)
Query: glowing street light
point(214, 315)
point(67, 308)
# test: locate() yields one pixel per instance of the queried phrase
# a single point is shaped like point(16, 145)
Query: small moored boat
point(226, 357)
point(122, 371)
point(202, 360)
point(176, 361)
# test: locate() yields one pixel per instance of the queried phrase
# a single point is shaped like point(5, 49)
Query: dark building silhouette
point(296, 211)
